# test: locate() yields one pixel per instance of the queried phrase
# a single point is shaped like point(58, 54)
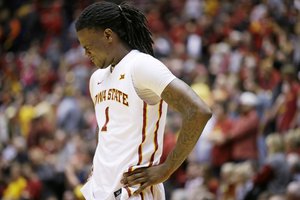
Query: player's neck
point(121, 52)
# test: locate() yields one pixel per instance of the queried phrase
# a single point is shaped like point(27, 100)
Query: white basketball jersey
point(130, 130)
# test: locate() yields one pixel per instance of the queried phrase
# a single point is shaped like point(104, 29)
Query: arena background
point(234, 53)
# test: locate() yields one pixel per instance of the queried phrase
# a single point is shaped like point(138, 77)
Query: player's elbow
point(200, 113)
point(204, 113)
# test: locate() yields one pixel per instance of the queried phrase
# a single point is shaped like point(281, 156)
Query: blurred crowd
point(242, 57)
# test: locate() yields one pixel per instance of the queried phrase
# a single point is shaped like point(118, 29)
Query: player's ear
point(108, 34)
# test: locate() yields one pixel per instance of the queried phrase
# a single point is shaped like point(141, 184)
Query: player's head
point(103, 24)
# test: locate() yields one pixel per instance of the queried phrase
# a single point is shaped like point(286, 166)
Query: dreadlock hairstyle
point(126, 21)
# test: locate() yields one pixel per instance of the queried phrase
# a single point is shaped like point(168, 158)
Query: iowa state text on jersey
point(112, 94)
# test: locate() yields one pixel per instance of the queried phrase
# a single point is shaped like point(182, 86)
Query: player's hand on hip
point(145, 176)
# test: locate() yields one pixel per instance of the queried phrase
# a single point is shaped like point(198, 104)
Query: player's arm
point(195, 114)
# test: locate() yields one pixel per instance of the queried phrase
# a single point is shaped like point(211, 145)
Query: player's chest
point(114, 88)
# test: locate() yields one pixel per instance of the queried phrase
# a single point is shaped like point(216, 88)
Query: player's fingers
point(137, 181)
point(127, 174)
point(135, 171)
point(135, 176)
point(141, 188)
point(129, 178)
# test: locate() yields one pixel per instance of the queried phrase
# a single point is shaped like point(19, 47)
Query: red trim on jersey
point(142, 196)
point(155, 134)
point(143, 133)
point(104, 127)
point(151, 188)
point(130, 169)
point(127, 188)
point(128, 191)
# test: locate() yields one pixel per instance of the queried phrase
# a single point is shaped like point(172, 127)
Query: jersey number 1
point(104, 127)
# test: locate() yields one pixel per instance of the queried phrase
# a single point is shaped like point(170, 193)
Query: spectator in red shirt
point(34, 185)
point(268, 76)
point(243, 134)
point(285, 109)
point(289, 95)
point(221, 151)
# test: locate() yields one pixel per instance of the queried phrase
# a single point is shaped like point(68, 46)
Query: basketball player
point(130, 91)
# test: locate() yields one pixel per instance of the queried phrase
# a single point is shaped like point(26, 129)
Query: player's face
point(96, 46)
